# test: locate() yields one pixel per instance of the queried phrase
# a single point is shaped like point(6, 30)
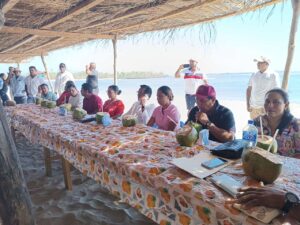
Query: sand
point(86, 204)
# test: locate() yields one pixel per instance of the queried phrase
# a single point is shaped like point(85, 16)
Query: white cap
point(262, 59)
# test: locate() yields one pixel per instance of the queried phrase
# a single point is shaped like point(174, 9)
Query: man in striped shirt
point(193, 79)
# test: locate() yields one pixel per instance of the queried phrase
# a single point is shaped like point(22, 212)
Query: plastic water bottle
point(250, 133)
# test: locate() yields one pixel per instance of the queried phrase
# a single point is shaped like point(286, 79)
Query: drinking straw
point(261, 129)
point(274, 137)
point(171, 120)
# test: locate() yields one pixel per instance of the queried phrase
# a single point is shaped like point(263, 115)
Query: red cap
point(206, 91)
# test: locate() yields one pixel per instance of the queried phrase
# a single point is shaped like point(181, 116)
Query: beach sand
point(86, 204)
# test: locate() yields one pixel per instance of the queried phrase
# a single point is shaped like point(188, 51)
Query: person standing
point(259, 84)
point(17, 85)
point(193, 79)
point(92, 77)
point(32, 82)
point(61, 79)
point(3, 88)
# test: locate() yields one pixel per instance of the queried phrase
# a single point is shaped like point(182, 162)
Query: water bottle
point(250, 133)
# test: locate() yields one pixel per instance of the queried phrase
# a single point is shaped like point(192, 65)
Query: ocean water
point(228, 86)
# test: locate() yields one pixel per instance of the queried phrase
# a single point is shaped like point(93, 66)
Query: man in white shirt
point(61, 79)
point(92, 77)
point(32, 82)
point(17, 85)
point(142, 109)
point(193, 79)
point(259, 84)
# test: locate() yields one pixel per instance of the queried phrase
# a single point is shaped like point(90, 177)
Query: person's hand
point(87, 66)
point(264, 196)
point(202, 118)
point(249, 109)
point(181, 67)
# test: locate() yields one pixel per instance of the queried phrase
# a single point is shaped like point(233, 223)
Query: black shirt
point(221, 116)
point(92, 80)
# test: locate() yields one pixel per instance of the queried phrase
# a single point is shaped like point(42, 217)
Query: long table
point(134, 164)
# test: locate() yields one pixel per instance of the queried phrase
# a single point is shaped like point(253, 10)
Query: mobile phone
point(186, 65)
point(213, 163)
point(227, 183)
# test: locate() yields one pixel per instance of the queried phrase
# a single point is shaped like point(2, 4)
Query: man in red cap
point(211, 115)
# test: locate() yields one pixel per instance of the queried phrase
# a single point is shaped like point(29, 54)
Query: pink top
point(163, 117)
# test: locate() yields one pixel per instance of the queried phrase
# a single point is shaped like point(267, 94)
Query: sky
point(235, 42)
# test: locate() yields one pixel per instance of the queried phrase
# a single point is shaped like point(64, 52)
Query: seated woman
point(278, 116)
point(46, 94)
point(75, 99)
point(113, 106)
point(166, 116)
point(142, 109)
point(64, 97)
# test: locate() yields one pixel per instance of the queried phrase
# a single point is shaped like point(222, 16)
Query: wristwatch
point(290, 201)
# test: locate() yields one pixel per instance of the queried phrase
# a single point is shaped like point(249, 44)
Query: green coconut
point(51, 104)
point(99, 116)
point(129, 120)
point(79, 114)
point(197, 126)
point(38, 100)
point(187, 136)
point(262, 165)
point(44, 103)
point(10, 103)
point(266, 142)
point(67, 106)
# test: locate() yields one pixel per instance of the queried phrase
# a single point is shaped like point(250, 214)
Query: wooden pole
point(114, 41)
point(46, 70)
point(291, 46)
point(15, 203)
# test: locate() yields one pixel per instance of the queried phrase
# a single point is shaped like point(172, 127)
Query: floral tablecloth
point(134, 164)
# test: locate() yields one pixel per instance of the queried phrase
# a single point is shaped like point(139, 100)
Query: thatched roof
point(35, 26)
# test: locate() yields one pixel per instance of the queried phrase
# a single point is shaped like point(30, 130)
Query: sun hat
point(262, 59)
point(206, 91)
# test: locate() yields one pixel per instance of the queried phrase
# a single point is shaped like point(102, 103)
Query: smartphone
point(213, 163)
point(227, 183)
point(186, 65)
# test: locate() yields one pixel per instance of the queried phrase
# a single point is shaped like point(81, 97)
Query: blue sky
point(236, 41)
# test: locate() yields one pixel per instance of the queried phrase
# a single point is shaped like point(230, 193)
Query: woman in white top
point(142, 109)
point(75, 99)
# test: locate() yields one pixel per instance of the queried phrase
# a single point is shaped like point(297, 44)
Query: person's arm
point(177, 73)
point(205, 79)
point(99, 105)
point(173, 119)
point(87, 70)
point(221, 134)
point(248, 95)
point(119, 110)
point(151, 121)
point(1, 83)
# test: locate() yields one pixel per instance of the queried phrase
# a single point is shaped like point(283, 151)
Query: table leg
point(13, 133)
point(47, 158)
point(67, 174)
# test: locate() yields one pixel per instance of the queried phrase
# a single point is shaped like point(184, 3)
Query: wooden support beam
point(114, 41)
point(46, 70)
point(15, 203)
point(9, 55)
point(66, 166)
point(8, 5)
point(292, 44)
point(51, 33)
point(168, 15)
point(124, 15)
point(45, 44)
point(76, 10)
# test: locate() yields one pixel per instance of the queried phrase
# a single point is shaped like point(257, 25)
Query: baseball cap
point(206, 91)
point(194, 60)
point(262, 59)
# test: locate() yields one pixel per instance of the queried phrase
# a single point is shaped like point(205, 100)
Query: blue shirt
point(49, 96)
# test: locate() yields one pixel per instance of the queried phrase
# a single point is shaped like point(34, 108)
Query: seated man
point(288, 202)
point(211, 115)
point(46, 94)
point(91, 103)
point(142, 108)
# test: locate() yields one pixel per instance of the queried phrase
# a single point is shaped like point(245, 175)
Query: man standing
point(61, 79)
point(193, 79)
point(211, 115)
point(92, 77)
point(259, 84)
point(91, 103)
point(33, 82)
point(17, 85)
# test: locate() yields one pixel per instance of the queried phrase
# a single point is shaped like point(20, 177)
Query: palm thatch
point(33, 27)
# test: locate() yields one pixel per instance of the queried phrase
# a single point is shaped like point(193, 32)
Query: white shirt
point(32, 84)
point(17, 85)
point(142, 117)
point(261, 83)
point(75, 101)
point(61, 80)
point(193, 80)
